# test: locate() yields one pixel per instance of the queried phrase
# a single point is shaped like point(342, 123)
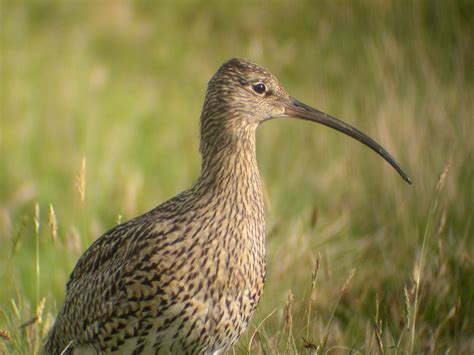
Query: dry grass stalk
point(419, 264)
point(378, 325)
point(18, 234)
point(258, 328)
point(53, 223)
point(36, 218)
point(325, 335)
point(348, 281)
point(40, 309)
point(312, 296)
point(37, 256)
point(289, 321)
point(442, 177)
point(81, 180)
point(407, 307)
point(441, 223)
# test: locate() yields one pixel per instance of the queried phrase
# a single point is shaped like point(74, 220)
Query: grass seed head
point(81, 180)
point(53, 223)
point(37, 218)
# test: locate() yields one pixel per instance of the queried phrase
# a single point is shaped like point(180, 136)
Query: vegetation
point(99, 108)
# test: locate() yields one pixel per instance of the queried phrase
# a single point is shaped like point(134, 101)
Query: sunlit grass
point(99, 107)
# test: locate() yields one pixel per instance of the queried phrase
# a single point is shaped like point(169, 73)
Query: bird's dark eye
point(259, 88)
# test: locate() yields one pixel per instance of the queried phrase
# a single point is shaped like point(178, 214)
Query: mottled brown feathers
point(187, 275)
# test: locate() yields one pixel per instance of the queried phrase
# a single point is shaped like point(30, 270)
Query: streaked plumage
point(187, 276)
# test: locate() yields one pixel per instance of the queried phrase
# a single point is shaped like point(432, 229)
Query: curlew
point(187, 276)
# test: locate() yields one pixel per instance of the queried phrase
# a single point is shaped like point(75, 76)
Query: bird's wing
point(112, 248)
point(97, 294)
point(120, 273)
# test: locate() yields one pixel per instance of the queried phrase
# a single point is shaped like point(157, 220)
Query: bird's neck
point(231, 190)
point(229, 168)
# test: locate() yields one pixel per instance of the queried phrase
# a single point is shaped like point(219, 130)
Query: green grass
point(121, 83)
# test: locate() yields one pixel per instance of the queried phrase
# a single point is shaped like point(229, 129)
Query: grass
point(103, 98)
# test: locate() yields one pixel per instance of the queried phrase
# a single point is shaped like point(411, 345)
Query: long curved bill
point(297, 109)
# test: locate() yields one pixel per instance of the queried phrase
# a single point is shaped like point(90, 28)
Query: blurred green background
point(121, 84)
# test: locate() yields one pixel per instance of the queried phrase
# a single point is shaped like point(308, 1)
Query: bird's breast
point(211, 278)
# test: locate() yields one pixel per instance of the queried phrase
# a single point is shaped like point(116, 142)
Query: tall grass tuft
point(419, 264)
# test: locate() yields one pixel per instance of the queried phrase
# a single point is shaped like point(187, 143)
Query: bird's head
point(243, 91)
point(242, 94)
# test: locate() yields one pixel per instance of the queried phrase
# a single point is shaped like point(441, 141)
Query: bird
point(186, 276)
